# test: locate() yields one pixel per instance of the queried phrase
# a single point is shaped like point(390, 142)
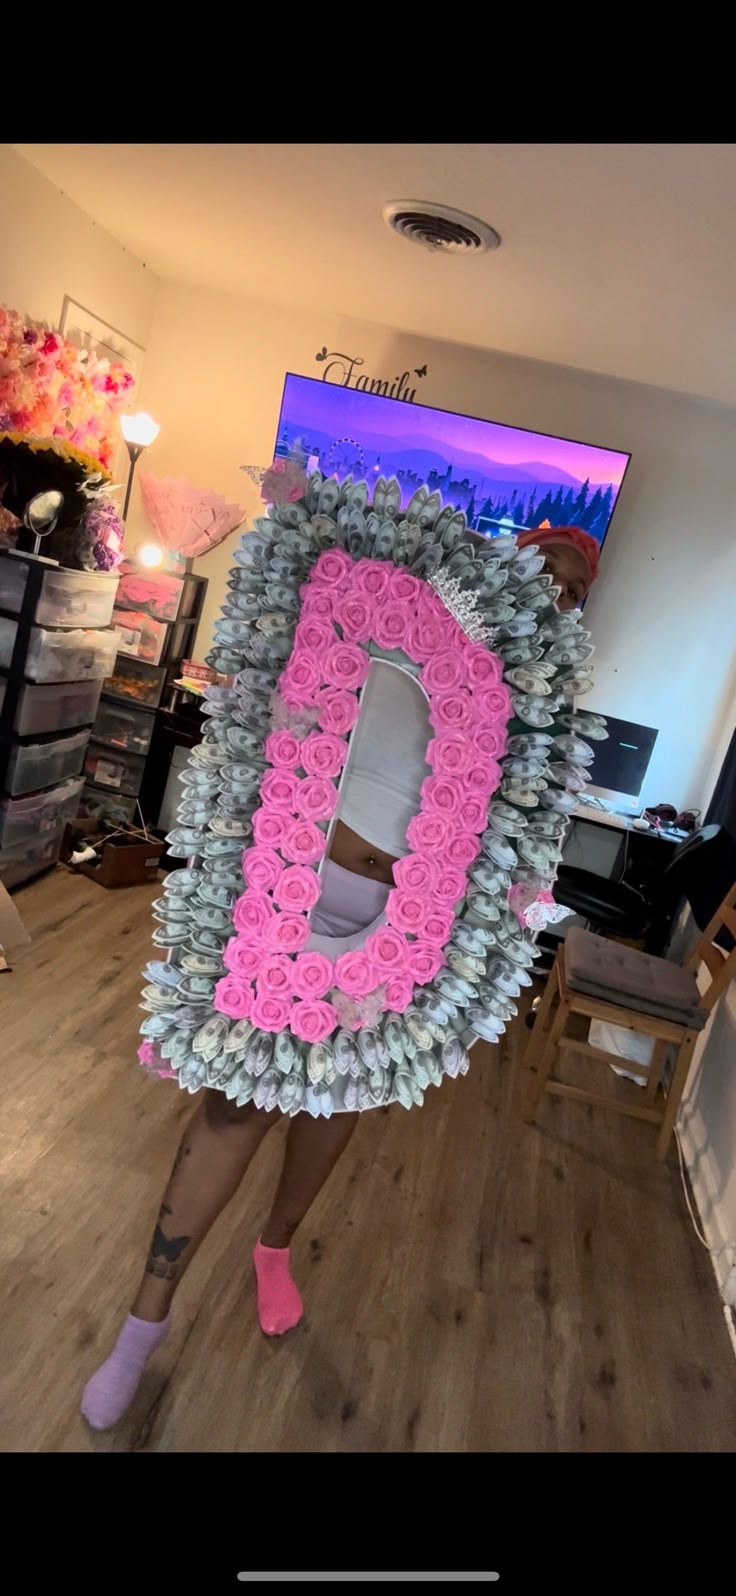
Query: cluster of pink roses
point(272, 980)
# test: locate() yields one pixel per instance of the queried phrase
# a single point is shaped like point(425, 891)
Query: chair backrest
point(721, 966)
point(688, 862)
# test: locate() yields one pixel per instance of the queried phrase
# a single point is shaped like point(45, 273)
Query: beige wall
point(662, 612)
point(49, 248)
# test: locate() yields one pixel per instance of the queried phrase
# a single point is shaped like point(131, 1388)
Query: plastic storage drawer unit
point(129, 729)
point(26, 859)
point(70, 656)
point(55, 706)
point(107, 808)
point(8, 630)
point(67, 598)
point(34, 765)
point(142, 684)
point(116, 772)
point(22, 819)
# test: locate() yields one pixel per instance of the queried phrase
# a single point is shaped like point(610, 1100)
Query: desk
point(621, 851)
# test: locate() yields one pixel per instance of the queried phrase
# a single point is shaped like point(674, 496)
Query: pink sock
point(280, 1306)
point(109, 1393)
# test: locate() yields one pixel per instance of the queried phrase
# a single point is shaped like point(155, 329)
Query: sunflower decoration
point(58, 425)
point(323, 585)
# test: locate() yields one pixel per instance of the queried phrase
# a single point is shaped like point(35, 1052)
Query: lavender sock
point(111, 1390)
point(280, 1306)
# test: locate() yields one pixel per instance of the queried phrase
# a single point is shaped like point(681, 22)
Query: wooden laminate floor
point(471, 1283)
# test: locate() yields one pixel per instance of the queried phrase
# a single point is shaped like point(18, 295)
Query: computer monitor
point(621, 763)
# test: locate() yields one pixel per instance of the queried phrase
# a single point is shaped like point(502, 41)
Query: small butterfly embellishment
point(419, 371)
point(321, 353)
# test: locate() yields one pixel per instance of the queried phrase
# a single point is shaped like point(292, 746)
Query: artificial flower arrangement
point(59, 408)
point(326, 582)
point(53, 395)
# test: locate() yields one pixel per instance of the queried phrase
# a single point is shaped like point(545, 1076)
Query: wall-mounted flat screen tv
point(500, 476)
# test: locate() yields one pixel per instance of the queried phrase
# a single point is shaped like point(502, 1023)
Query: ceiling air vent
point(439, 227)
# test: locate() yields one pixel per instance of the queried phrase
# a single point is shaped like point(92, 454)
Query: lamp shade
point(140, 429)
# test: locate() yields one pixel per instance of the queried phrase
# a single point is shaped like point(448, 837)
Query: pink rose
point(491, 704)
point(426, 636)
point(484, 668)
point(269, 826)
point(317, 602)
point(386, 950)
point(428, 832)
point(149, 1056)
point(313, 974)
point(441, 795)
point(334, 568)
point(443, 671)
point(482, 776)
point(261, 868)
point(354, 615)
point(278, 789)
point(315, 635)
point(275, 975)
point(252, 912)
point(287, 933)
point(355, 974)
point(316, 798)
point(462, 849)
point(303, 842)
point(270, 1013)
point(338, 710)
point(297, 889)
point(415, 873)
point(438, 926)
point(425, 960)
point(399, 993)
point(300, 681)
point(406, 911)
point(449, 754)
point(473, 812)
point(313, 1021)
point(370, 579)
point(346, 665)
point(403, 587)
point(233, 997)
point(323, 754)
point(450, 884)
point(242, 957)
point(283, 750)
point(490, 741)
point(451, 711)
point(392, 624)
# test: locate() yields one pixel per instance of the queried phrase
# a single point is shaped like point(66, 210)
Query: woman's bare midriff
point(352, 852)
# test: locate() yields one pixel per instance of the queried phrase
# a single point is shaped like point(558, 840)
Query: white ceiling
point(616, 258)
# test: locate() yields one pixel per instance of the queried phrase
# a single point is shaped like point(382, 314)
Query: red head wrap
point(574, 536)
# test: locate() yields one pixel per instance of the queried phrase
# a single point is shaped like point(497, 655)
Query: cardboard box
point(122, 861)
point(13, 933)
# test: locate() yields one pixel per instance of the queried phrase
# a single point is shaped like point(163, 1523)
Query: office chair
point(697, 870)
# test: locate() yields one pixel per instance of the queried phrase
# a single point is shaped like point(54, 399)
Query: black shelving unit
point(131, 744)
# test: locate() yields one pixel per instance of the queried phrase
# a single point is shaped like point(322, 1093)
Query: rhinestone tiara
point(463, 606)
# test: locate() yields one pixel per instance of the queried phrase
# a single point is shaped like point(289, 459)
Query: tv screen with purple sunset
point(502, 477)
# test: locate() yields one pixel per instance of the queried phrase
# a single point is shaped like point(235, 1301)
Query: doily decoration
point(187, 520)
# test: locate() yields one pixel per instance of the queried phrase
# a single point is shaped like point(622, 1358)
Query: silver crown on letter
point(463, 606)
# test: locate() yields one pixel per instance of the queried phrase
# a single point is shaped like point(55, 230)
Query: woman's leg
point(313, 1147)
point(213, 1155)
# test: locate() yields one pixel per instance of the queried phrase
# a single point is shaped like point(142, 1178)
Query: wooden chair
point(608, 981)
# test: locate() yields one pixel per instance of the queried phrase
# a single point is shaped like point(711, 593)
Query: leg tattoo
point(165, 1251)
